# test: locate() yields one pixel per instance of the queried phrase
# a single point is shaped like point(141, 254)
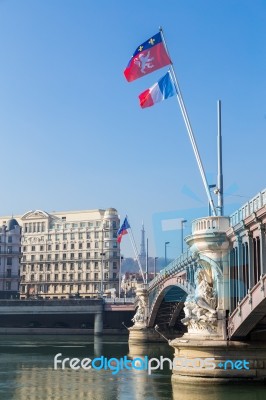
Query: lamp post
point(209, 205)
point(119, 288)
point(182, 234)
point(165, 254)
point(154, 271)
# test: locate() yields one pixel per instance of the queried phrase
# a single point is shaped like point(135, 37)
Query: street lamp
point(165, 255)
point(102, 255)
point(119, 288)
point(154, 271)
point(182, 234)
point(209, 204)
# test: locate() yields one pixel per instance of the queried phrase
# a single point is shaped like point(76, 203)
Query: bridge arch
point(157, 297)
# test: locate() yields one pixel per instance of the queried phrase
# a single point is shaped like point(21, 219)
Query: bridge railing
point(178, 265)
point(248, 208)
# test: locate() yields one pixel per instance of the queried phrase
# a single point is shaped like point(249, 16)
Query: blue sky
point(73, 135)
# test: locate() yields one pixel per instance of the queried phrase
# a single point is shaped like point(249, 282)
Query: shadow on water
point(27, 372)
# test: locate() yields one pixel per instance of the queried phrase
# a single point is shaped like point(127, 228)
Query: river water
point(27, 372)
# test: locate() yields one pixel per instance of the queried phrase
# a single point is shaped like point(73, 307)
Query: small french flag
point(160, 91)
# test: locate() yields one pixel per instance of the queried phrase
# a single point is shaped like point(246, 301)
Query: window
point(98, 223)
point(96, 245)
point(8, 273)
point(41, 267)
point(88, 255)
point(32, 277)
point(87, 277)
point(56, 257)
point(80, 255)
point(56, 277)
point(64, 266)
point(71, 277)
point(80, 236)
point(71, 266)
point(72, 236)
point(106, 244)
point(95, 255)
point(41, 248)
point(57, 236)
point(106, 275)
point(9, 239)
point(114, 275)
point(64, 256)
point(114, 264)
point(64, 246)
point(8, 285)
point(48, 277)
point(79, 265)
point(32, 267)
point(96, 235)
point(88, 265)
point(41, 257)
point(57, 247)
point(72, 256)
point(80, 246)
point(88, 235)
point(96, 264)
point(24, 248)
point(9, 249)
point(49, 257)
point(96, 276)
point(9, 261)
point(88, 245)
point(32, 248)
point(114, 234)
point(56, 267)
point(32, 257)
point(40, 277)
point(72, 246)
point(63, 277)
point(48, 267)
point(106, 264)
point(79, 287)
point(79, 277)
point(49, 247)
point(64, 236)
point(106, 235)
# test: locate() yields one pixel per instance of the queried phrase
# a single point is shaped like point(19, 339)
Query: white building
point(10, 254)
point(69, 253)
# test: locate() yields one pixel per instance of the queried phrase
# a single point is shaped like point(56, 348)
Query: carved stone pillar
point(250, 260)
point(262, 249)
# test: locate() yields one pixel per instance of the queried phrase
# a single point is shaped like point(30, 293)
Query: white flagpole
point(133, 243)
point(189, 128)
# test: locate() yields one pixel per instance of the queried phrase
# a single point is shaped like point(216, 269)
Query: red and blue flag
point(123, 230)
point(148, 57)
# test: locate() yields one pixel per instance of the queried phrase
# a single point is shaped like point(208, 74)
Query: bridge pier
point(98, 324)
point(204, 360)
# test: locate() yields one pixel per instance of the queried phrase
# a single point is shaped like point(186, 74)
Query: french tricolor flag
point(160, 91)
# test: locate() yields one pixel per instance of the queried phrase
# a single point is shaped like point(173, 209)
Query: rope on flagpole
point(189, 128)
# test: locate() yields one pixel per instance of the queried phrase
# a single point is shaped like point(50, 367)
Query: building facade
point(68, 254)
point(10, 255)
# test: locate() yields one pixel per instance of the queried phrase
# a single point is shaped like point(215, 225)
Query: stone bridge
point(216, 291)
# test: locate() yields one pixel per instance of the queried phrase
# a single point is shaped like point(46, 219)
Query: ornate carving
point(200, 308)
point(139, 318)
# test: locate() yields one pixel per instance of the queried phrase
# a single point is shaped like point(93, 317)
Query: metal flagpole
point(133, 243)
point(189, 128)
